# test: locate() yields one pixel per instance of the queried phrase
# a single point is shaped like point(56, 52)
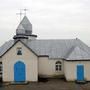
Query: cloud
point(50, 18)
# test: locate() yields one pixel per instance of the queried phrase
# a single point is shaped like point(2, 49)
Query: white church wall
point(47, 67)
point(70, 70)
point(30, 60)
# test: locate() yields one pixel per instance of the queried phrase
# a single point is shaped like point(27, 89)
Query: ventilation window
point(19, 51)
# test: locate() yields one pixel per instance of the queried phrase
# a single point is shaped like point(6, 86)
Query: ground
point(52, 84)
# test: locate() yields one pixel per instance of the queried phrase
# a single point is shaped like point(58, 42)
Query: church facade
point(25, 58)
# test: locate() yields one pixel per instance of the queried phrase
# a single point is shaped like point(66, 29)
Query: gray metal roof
point(26, 26)
point(78, 54)
point(5, 47)
point(68, 49)
point(56, 48)
point(20, 30)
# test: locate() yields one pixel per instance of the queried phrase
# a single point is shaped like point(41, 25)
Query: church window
point(19, 51)
point(58, 66)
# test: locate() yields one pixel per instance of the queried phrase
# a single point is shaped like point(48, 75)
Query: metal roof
point(26, 26)
point(78, 54)
point(56, 48)
point(5, 47)
point(20, 30)
point(69, 49)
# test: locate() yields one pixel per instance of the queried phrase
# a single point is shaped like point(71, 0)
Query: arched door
point(19, 72)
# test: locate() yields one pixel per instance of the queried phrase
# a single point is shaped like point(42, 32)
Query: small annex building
point(25, 58)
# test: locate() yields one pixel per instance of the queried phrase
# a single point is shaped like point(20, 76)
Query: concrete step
point(81, 82)
point(19, 83)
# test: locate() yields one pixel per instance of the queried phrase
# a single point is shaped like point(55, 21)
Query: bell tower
point(24, 30)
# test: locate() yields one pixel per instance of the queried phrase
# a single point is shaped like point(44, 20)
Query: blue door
point(19, 72)
point(80, 72)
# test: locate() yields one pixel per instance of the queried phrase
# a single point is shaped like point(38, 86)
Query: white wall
point(70, 69)
point(11, 57)
point(47, 67)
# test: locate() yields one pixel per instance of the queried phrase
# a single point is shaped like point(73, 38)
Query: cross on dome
point(24, 29)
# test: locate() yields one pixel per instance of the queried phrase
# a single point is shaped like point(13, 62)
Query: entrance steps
point(81, 82)
point(19, 83)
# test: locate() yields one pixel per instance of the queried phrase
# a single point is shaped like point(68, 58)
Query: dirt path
point(49, 85)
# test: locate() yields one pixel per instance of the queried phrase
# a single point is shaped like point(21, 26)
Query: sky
point(51, 19)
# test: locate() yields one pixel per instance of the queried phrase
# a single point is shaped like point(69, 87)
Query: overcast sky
point(51, 19)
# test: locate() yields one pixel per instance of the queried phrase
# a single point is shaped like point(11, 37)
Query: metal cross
point(20, 14)
point(25, 10)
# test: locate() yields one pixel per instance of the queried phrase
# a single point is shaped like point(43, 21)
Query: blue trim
point(19, 72)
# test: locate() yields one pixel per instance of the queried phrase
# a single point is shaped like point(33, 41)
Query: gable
point(14, 45)
point(78, 54)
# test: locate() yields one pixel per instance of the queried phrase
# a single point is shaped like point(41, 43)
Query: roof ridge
point(69, 52)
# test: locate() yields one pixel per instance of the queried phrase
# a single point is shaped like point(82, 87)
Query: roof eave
point(77, 59)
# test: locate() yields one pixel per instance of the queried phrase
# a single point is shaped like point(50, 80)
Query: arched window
point(58, 66)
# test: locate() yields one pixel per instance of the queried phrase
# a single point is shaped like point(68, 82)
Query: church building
point(25, 58)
